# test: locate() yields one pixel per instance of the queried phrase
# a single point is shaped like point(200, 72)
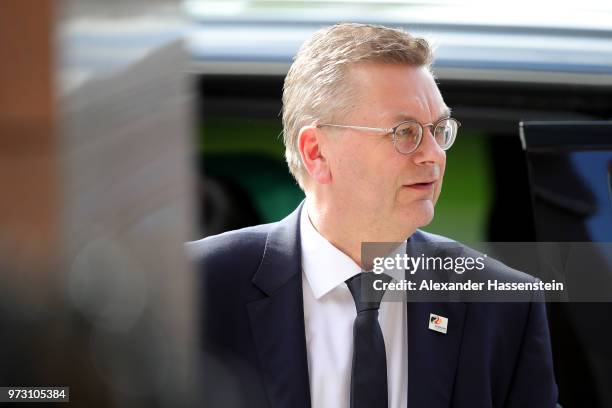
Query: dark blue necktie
point(369, 372)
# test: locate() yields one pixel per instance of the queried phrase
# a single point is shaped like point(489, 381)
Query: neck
point(346, 228)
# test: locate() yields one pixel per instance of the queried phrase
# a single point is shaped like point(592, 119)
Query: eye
point(408, 131)
point(407, 137)
point(444, 133)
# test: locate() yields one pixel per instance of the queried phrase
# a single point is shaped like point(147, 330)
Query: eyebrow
point(446, 113)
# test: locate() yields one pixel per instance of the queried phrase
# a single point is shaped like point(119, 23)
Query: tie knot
point(362, 289)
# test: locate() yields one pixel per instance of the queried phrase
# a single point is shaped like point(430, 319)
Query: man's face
point(392, 193)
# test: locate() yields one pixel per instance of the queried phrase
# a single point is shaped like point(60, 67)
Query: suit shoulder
point(495, 269)
point(229, 247)
point(498, 270)
point(431, 237)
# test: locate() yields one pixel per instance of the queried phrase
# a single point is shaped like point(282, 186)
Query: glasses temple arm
point(372, 129)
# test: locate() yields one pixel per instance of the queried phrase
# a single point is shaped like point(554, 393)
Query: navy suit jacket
point(253, 338)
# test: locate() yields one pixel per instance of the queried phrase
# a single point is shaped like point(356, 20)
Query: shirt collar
point(324, 265)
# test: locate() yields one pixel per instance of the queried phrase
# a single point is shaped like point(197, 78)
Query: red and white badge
point(438, 323)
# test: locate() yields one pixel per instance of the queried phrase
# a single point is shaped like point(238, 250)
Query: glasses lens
point(445, 133)
point(407, 137)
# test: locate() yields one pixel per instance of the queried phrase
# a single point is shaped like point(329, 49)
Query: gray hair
point(317, 86)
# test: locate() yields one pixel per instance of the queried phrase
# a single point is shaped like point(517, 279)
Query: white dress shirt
point(329, 312)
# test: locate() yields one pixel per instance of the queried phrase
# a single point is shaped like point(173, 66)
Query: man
point(365, 130)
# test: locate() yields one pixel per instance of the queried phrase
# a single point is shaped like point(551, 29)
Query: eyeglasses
point(407, 135)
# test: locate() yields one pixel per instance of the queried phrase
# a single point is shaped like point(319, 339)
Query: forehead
point(393, 91)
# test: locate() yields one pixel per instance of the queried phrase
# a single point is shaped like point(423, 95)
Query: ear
point(309, 144)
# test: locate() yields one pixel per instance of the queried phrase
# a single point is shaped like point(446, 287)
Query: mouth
point(424, 186)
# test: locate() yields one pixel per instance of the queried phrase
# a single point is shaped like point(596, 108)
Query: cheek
point(354, 175)
point(364, 173)
point(367, 168)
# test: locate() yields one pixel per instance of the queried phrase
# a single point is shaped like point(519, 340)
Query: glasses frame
point(393, 130)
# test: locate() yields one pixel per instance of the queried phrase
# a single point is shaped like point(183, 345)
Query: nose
point(429, 151)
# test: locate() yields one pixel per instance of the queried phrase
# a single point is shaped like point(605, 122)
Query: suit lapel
point(277, 320)
point(433, 356)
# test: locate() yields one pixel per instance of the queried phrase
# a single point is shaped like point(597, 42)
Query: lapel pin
point(438, 323)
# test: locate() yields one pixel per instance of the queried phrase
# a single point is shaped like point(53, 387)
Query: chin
point(419, 214)
point(424, 220)
point(423, 213)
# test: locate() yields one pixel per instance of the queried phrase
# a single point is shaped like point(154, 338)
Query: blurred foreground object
point(95, 292)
